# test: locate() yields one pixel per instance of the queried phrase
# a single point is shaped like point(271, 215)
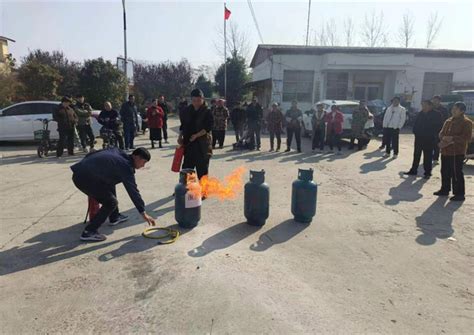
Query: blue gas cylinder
point(304, 196)
point(256, 199)
point(188, 200)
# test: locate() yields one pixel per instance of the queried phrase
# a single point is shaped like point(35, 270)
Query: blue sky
point(171, 30)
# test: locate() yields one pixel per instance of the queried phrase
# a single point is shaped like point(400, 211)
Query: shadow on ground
point(436, 221)
point(407, 191)
point(224, 239)
point(278, 234)
point(61, 244)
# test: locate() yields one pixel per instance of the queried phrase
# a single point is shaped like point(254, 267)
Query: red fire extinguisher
point(92, 209)
point(178, 159)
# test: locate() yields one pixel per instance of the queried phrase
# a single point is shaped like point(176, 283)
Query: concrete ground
point(382, 255)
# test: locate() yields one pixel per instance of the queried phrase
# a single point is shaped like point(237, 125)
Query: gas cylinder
point(188, 199)
point(256, 199)
point(304, 196)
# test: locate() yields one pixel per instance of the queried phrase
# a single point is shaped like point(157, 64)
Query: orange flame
point(213, 187)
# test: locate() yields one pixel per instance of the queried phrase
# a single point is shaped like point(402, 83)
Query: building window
point(436, 83)
point(298, 85)
point(337, 85)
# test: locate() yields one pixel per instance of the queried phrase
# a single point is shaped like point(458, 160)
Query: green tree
point(100, 81)
point(204, 85)
point(68, 70)
point(8, 88)
point(237, 77)
point(38, 81)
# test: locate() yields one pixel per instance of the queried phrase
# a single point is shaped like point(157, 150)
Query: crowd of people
point(203, 129)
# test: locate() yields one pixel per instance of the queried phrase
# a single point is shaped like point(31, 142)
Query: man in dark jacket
point(443, 111)
point(237, 117)
point(129, 117)
point(97, 175)
point(196, 126)
point(84, 113)
point(254, 122)
point(426, 130)
point(110, 120)
point(164, 106)
point(66, 118)
point(293, 118)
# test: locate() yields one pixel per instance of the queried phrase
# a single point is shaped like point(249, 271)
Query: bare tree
point(349, 30)
point(405, 31)
point(373, 32)
point(432, 29)
point(320, 36)
point(238, 42)
point(331, 33)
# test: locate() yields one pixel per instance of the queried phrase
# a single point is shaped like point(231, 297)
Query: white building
point(282, 73)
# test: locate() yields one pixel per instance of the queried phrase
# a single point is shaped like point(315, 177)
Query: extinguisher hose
point(170, 235)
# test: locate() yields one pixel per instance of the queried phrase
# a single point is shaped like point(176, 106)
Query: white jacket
point(394, 117)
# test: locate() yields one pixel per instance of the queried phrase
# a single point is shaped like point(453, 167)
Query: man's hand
point(149, 219)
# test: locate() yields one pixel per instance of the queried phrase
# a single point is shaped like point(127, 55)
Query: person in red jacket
point(154, 120)
point(334, 121)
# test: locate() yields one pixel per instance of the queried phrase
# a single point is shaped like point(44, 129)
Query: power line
point(255, 20)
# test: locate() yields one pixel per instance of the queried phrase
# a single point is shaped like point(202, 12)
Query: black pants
point(254, 129)
point(335, 140)
point(129, 135)
point(239, 131)
point(218, 136)
point(86, 135)
point(392, 140)
point(289, 137)
point(452, 174)
point(318, 138)
point(384, 137)
point(277, 134)
point(195, 159)
point(104, 194)
point(165, 130)
point(66, 138)
point(425, 146)
point(436, 150)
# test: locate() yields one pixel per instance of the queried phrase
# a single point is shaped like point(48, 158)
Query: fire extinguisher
point(92, 209)
point(178, 159)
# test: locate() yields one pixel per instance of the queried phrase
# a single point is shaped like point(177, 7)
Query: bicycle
point(43, 136)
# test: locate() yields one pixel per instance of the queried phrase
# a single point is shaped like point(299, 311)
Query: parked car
point(19, 121)
point(346, 107)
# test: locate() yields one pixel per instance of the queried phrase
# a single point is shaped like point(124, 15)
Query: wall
point(405, 73)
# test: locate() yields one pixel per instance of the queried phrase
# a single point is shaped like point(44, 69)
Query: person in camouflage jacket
point(274, 125)
point(221, 115)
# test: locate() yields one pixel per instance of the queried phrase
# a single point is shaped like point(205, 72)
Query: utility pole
point(225, 54)
point(125, 46)
point(307, 25)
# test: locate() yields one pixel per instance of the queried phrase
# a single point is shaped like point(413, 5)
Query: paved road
point(382, 255)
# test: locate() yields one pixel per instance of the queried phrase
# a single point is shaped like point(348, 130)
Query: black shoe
point(441, 193)
point(427, 176)
point(299, 150)
point(287, 150)
point(457, 198)
point(410, 173)
point(271, 150)
point(92, 236)
point(382, 147)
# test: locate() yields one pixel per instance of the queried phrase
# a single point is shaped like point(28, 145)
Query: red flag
point(226, 13)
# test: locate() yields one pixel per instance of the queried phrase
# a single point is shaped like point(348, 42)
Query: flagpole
point(125, 46)
point(225, 54)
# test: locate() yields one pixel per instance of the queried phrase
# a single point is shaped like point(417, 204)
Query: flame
point(212, 187)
